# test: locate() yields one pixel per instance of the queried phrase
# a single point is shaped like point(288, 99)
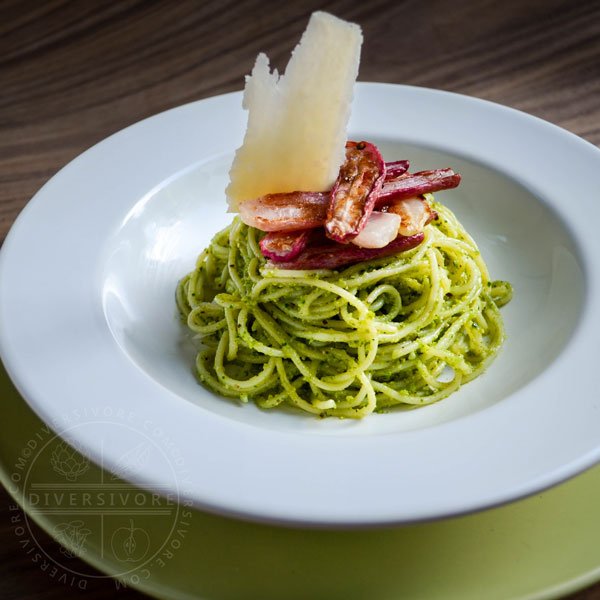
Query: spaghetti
point(407, 329)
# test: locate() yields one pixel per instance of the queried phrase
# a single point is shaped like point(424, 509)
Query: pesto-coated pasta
point(407, 329)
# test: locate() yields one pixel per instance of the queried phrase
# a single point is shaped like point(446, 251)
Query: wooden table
point(72, 73)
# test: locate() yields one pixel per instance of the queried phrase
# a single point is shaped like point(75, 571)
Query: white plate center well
point(520, 238)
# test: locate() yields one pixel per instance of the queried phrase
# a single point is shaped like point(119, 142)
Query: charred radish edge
point(354, 193)
point(284, 245)
point(417, 184)
point(331, 255)
point(395, 169)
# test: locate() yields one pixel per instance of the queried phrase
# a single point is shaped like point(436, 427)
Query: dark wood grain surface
point(74, 72)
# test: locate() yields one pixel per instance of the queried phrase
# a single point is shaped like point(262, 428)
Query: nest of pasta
point(407, 329)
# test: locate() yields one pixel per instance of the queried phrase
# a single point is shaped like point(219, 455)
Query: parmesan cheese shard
point(296, 131)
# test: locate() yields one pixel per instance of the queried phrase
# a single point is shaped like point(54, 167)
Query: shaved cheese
point(296, 131)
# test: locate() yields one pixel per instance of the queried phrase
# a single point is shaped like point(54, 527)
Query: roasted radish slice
point(284, 245)
point(286, 212)
point(380, 230)
point(355, 191)
point(331, 255)
point(414, 214)
point(294, 211)
point(418, 183)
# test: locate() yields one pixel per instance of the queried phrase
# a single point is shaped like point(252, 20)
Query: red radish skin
point(284, 245)
point(354, 193)
point(417, 184)
point(395, 169)
point(331, 255)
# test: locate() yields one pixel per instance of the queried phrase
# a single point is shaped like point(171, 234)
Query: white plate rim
point(309, 490)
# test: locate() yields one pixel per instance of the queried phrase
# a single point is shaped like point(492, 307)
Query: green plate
point(542, 547)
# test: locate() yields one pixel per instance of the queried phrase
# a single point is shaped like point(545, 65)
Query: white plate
point(88, 321)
